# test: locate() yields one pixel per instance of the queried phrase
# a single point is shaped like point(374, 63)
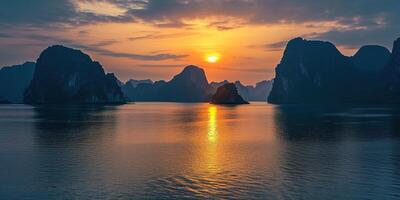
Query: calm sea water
point(199, 151)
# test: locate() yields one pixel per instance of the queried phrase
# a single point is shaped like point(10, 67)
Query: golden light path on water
point(212, 124)
point(211, 151)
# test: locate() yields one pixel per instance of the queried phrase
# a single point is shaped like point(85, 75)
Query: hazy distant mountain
point(190, 85)
point(129, 87)
point(227, 94)
point(216, 85)
point(65, 75)
point(14, 80)
point(135, 83)
point(316, 72)
point(258, 93)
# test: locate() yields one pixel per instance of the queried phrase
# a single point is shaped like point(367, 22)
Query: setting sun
point(212, 58)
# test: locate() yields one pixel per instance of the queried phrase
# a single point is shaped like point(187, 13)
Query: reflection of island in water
point(331, 123)
point(73, 124)
point(153, 150)
point(344, 147)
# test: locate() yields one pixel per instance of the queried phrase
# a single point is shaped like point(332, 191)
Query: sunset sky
point(154, 39)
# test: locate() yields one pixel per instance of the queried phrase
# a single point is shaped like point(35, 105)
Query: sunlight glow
point(212, 58)
point(212, 124)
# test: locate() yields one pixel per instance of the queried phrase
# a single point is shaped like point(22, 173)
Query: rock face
point(190, 85)
point(14, 80)
point(391, 76)
point(227, 94)
point(316, 72)
point(259, 92)
point(65, 75)
point(311, 72)
point(371, 58)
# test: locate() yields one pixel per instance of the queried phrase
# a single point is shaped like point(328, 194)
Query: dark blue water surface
point(199, 151)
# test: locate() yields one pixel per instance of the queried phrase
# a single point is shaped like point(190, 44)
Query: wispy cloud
point(144, 57)
point(155, 57)
point(225, 25)
point(276, 45)
point(97, 48)
point(160, 65)
point(158, 35)
point(371, 18)
point(241, 69)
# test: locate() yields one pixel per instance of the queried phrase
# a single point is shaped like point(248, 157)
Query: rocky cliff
point(65, 75)
point(259, 92)
point(312, 72)
point(371, 58)
point(391, 76)
point(227, 94)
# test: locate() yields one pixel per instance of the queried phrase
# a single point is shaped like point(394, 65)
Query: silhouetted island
point(259, 92)
point(371, 58)
point(314, 72)
point(391, 77)
point(190, 85)
point(227, 94)
point(14, 80)
point(65, 75)
point(310, 72)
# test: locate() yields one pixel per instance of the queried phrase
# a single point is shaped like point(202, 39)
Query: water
point(199, 151)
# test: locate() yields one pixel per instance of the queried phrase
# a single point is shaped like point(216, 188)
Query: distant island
point(191, 85)
point(310, 72)
point(259, 92)
point(227, 94)
point(315, 72)
point(65, 75)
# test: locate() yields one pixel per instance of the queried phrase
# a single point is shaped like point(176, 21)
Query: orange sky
point(173, 34)
point(243, 55)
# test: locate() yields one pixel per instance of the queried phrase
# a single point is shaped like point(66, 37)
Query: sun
point(212, 58)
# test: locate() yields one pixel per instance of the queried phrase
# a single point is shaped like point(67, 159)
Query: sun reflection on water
point(212, 124)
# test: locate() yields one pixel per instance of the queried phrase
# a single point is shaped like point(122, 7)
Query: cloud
point(241, 69)
point(154, 57)
point(5, 35)
point(356, 38)
point(276, 45)
point(225, 25)
point(158, 35)
point(104, 43)
point(35, 13)
point(144, 57)
point(173, 13)
point(353, 22)
point(160, 65)
point(42, 40)
point(99, 8)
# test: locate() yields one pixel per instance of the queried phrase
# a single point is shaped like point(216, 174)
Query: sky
point(140, 39)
